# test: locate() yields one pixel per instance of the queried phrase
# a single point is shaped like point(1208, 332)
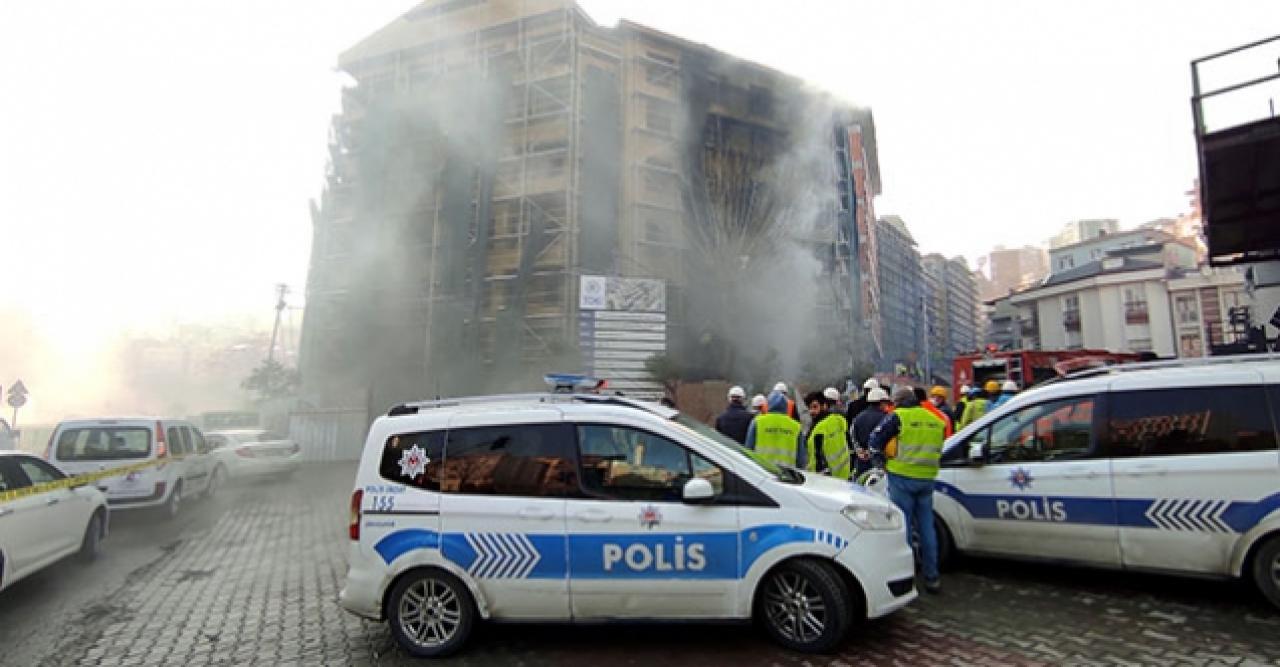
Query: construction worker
point(826, 447)
point(781, 388)
point(836, 408)
point(1007, 390)
point(977, 405)
point(931, 403)
point(735, 420)
point(962, 399)
point(858, 405)
point(912, 470)
point(775, 436)
point(878, 406)
point(758, 405)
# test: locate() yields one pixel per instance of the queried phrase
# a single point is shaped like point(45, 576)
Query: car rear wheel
point(431, 613)
point(1266, 569)
point(216, 480)
point(174, 504)
point(805, 606)
point(91, 545)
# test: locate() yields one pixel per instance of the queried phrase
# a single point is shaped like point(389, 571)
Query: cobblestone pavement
point(252, 578)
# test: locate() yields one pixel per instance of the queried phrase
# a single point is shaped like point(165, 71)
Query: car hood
point(832, 495)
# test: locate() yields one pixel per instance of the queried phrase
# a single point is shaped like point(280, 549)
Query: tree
point(665, 371)
point(271, 380)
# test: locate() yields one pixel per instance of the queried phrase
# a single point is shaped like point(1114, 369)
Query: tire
point(216, 480)
point(91, 545)
point(1266, 569)
point(947, 555)
point(174, 505)
point(431, 613)
point(814, 589)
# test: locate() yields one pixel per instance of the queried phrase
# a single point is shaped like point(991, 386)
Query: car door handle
point(53, 501)
point(1080, 473)
point(1146, 469)
point(593, 516)
point(537, 513)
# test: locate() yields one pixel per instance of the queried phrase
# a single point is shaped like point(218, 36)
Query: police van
point(554, 507)
point(1165, 466)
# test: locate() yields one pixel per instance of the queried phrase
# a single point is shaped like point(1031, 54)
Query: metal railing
point(1198, 96)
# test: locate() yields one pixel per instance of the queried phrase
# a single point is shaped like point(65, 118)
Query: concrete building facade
point(492, 153)
point(901, 297)
point(1011, 269)
point(951, 301)
point(1082, 230)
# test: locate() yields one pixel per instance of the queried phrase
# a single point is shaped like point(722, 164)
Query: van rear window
point(103, 443)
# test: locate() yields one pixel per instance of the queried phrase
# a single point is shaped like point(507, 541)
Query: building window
point(760, 102)
point(1066, 263)
point(1190, 345)
point(1135, 306)
point(658, 119)
point(1140, 345)
point(1185, 306)
point(1071, 313)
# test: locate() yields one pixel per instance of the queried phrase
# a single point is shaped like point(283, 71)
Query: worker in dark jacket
point(736, 419)
point(878, 406)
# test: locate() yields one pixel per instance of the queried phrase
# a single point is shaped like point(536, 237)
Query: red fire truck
point(1029, 367)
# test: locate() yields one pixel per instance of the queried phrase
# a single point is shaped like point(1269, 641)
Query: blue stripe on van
point(1188, 514)
point(649, 555)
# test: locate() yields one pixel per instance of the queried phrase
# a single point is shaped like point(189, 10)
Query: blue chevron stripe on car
point(709, 555)
point(1173, 514)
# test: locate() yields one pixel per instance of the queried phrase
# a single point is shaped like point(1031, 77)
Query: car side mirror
point(977, 453)
point(698, 491)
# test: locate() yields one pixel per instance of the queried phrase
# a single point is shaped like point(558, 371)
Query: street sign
point(17, 395)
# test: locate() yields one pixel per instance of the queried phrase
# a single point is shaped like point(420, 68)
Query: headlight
point(874, 518)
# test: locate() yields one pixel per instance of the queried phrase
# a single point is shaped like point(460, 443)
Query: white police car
point(1168, 467)
point(556, 507)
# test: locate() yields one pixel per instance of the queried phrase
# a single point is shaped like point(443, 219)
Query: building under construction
point(492, 153)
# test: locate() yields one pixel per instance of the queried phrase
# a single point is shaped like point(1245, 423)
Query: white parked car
point(250, 452)
point(1165, 467)
point(40, 529)
point(183, 466)
point(555, 507)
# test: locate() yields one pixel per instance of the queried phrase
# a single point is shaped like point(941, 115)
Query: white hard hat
point(1009, 385)
point(871, 383)
point(781, 386)
point(831, 393)
point(965, 389)
point(737, 392)
point(758, 401)
point(877, 395)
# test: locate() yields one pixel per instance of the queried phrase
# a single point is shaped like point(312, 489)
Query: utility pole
point(281, 290)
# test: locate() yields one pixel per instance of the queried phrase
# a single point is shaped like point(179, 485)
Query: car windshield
point(718, 438)
point(101, 443)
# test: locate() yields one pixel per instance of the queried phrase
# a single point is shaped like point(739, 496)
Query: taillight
point(162, 447)
point(245, 452)
point(353, 529)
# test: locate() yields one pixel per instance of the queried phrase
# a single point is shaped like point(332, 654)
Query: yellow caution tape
point(80, 480)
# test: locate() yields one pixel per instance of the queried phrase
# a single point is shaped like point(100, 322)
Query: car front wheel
point(431, 613)
point(1266, 569)
point(91, 545)
point(805, 606)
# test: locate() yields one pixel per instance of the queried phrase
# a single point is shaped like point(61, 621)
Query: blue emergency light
point(568, 383)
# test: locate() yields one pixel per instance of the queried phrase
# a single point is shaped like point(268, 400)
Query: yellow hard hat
point(991, 387)
point(938, 390)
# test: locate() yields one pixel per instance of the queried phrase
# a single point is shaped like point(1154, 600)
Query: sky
point(157, 156)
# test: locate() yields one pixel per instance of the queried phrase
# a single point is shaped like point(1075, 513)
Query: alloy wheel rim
point(430, 613)
point(794, 607)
